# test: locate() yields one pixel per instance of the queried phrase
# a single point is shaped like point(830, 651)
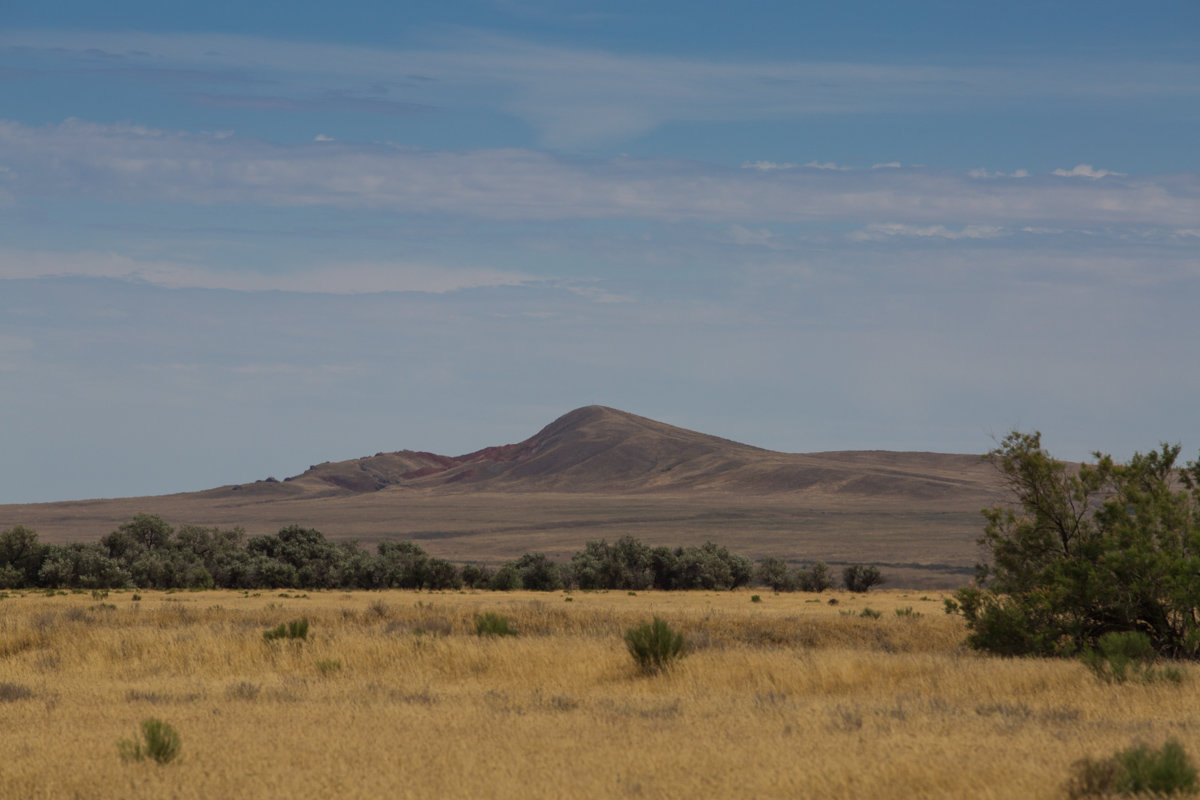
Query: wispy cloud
point(579, 96)
point(1085, 171)
point(768, 166)
point(336, 279)
point(983, 173)
point(886, 230)
point(139, 164)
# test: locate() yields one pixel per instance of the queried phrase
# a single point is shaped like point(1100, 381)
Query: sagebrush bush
point(162, 743)
point(859, 578)
point(1120, 656)
point(492, 624)
point(328, 666)
point(296, 629)
point(1138, 770)
point(11, 692)
point(654, 645)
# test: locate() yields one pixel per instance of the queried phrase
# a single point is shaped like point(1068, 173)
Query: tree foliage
point(1086, 551)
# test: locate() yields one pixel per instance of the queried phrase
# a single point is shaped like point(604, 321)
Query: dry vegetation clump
point(394, 694)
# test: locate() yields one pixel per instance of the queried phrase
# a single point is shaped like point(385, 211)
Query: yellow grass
point(393, 695)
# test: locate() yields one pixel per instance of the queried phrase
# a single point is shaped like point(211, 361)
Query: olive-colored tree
point(1088, 550)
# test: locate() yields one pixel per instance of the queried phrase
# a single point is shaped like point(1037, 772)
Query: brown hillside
point(603, 450)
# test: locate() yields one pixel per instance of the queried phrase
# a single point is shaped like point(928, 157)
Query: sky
point(237, 239)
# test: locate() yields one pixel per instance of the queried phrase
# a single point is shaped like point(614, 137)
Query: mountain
point(602, 450)
point(597, 473)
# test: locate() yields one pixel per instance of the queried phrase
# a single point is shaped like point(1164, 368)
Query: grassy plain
point(394, 695)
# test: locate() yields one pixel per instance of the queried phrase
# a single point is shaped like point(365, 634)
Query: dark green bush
point(506, 579)
point(859, 578)
point(1138, 770)
point(296, 629)
point(654, 645)
point(492, 624)
point(1123, 656)
point(815, 578)
point(774, 573)
point(161, 743)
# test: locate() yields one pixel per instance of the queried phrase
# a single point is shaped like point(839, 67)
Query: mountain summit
point(596, 449)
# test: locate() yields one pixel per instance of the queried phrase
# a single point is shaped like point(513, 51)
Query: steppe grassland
point(394, 695)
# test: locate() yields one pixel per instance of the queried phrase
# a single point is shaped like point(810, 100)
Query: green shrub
point(1119, 656)
point(328, 666)
point(755, 598)
point(491, 624)
point(871, 613)
point(1127, 655)
point(162, 743)
point(654, 645)
point(296, 629)
point(815, 579)
point(1138, 770)
point(859, 578)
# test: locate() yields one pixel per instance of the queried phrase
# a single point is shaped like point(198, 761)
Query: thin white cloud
point(824, 165)
point(879, 231)
point(1085, 171)
point(138, 164)
point(320, 137)
point(768, 166)
point(337, 279)
point(983, 173)
point(888, 165)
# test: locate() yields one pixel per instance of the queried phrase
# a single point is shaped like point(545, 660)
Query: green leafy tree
point(860, 578)
point(538, 573)
point(21, 557)
point(815, 578)
point(774, 573)
point(1086, 551)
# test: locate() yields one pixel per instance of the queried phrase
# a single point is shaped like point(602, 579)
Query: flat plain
point(394, 694)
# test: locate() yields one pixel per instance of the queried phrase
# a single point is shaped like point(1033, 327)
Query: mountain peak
point(597, 449)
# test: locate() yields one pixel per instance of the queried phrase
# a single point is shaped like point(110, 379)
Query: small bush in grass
point(654, 645)
point(491, 624)
point(1138, 770)
point(871, 613)
point(328, 666)
point(12, 692)
point(296, 629)
point(162, 743)
point(755, 598)
point(1128, 655)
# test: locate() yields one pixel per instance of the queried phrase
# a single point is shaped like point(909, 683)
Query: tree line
point(148, 553)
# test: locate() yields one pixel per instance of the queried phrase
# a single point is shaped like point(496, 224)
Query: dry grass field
point(394, 695)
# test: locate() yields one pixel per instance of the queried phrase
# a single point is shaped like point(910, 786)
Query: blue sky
point(239, 239)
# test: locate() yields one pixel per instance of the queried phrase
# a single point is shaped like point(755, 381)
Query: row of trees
point(148, 553)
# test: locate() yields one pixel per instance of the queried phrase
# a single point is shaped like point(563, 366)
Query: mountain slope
point(602, 450)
